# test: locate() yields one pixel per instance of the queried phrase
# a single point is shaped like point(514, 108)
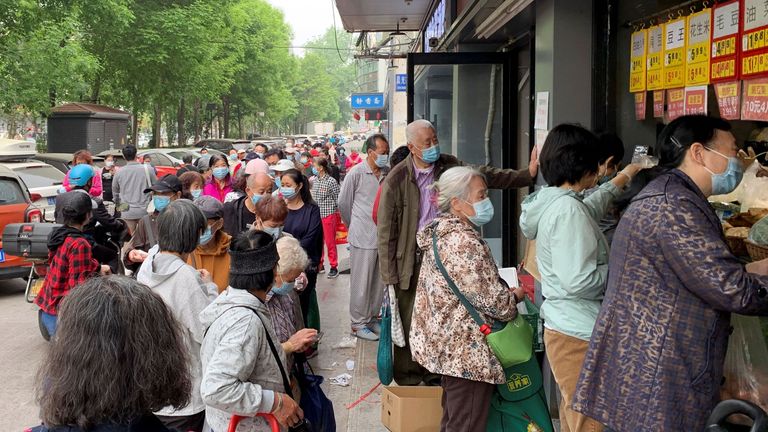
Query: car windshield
point(10, 192)
point(40, 176)
point(179, 154)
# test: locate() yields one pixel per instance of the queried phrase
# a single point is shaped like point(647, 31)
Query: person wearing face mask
point(461, 355)
point(211, 253)
point(240, 214)
point(107, 174)
point(358, 193)
point(325, 192)
point(406, 206)
point(146, 235)
point(655, 360)
point(303, 223)
point(611, 155)
point(84, 157)
point(220, 183)
point(192, 184)
point(571, 251)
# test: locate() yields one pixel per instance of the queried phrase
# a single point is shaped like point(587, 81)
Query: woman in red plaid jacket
point(70, 260)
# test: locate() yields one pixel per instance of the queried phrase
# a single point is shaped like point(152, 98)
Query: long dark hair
point(299, 178)
point(118, 354)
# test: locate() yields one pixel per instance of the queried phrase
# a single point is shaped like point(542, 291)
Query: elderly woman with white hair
point(443, 337)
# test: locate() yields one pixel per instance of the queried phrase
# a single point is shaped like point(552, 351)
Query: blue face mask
point(260, 155)
point(206, 236)
point(483, 212)
point(255, 199)
point(233, 157)
point(314, 171)
point(161, 202)
point(283, 289)
point(278, 183)
point(220, 173)
point(605, 179)
point(196, 193)
point(727, 181)
point(304, 160)
point(382, 160)
point(289, 157)
point(275, 232)
point(288, 192)
point(431, 154)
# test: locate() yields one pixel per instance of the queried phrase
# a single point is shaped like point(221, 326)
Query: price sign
point(675, 103)
point(754, 103)
point(674, 53)
point(655, 55)
point(640, 105)
point(754, 47)
point(637, 61)
point(728, 95)
point(726, 24)
point(658, 104)
point(696, 100)
point(698, 37)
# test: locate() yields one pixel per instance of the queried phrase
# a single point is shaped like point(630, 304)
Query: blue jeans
point(49, 321)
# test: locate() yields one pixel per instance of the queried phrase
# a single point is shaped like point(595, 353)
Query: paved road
point(21, 349)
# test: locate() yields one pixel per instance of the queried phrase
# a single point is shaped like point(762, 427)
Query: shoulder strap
point(151, 237)
point(471, 309)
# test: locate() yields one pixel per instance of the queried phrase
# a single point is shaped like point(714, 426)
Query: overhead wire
point(335, 36)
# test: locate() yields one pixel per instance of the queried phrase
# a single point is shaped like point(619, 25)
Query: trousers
point(366, 290)
point(465, 404)
point(330, 223)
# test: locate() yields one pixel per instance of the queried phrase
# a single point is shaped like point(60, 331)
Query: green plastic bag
point(384, 360)
point(519, 405)
point(758, 234)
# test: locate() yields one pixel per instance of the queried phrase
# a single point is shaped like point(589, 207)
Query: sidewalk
point(358, 406)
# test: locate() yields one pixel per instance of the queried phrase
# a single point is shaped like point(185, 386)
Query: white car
point(42, 179)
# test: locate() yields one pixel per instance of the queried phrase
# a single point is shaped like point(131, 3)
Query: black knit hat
point(253, 261)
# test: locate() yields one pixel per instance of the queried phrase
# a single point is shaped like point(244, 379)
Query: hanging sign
point(640, 105)
point(637, 61)
point(674, 53)
point(728, 94)
point(655, 65)
point(725, 47)
point(675, 103)
point(697, 40)
point(754, 58)
point(696, 100)
point(754, 102)
point(658, 104)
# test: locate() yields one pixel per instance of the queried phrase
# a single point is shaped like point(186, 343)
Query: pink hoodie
point(212, 189)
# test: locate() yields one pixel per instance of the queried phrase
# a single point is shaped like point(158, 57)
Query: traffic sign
point(368, 100)
point(401, 82)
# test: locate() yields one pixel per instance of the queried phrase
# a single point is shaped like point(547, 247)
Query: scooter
point(723, 410)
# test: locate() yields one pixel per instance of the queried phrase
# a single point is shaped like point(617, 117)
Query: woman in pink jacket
point(353, 159)
point(220, 183)
point(84, 157)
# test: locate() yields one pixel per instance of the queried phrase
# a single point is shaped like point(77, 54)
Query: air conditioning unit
point(505, 12)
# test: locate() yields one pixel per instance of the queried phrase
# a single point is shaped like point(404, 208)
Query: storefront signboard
point(675, 103)
point(655, 68)
point(637, 61)
point(697, 39)
point(658, 104)
point(640, 105)
point(754, 47)
point(674, 54)
point(754, 102)
point(725, 47)
point(728, 95)
point(696, 100)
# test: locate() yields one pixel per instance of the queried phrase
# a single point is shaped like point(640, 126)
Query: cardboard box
point(411, 408)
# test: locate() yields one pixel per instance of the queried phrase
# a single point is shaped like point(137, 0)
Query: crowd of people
point(221, 312)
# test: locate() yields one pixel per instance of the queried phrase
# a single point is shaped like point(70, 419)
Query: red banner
point(728, 98)
point(675, 103)
point(658, 103)
point(696, 100)
point(754, 102)
point(640, 105)
point(726, 46)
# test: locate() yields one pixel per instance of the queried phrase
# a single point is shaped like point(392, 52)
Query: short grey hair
point(454, 183)
point(415, 126)
point(179, 227)
point(255, 177)
point(292, 255)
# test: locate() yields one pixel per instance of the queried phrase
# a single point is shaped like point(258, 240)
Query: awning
point(382, 15)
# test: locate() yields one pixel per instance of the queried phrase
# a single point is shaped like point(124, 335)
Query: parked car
point(63, 161)
point(15, 207)
point(43, 181)
point(163, 166)
point(172, 155)
point(223, 144)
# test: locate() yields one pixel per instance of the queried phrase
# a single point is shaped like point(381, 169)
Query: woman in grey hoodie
point(244, 365)
point(186, 291)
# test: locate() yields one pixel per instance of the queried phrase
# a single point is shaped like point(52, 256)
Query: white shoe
point(365, 333)
point(375, 327)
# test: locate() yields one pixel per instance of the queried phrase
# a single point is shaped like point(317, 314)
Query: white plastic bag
point(752, 192)
point(746, 362)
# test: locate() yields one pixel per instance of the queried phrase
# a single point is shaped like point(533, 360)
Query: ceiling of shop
point(382, 15)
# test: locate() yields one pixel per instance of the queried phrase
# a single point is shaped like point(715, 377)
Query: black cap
point(210, 206)
point(169, 183)
point(253, 261)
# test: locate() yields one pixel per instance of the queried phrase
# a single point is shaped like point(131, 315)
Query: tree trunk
point(225, 107)
point(12, 123)
point(180, 129)
point(157, 126)
point(240, 123)
point(95, 93)
point(135, 128)
point(196, 119)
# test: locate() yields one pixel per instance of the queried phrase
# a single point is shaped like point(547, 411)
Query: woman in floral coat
point(443, 337)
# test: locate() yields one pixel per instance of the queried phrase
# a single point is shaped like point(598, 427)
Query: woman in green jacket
point(571, 252)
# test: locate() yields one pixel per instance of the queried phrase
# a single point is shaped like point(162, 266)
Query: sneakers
point(375, 327)
point(321, 270)
point(334, 273)
point(365, 333)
